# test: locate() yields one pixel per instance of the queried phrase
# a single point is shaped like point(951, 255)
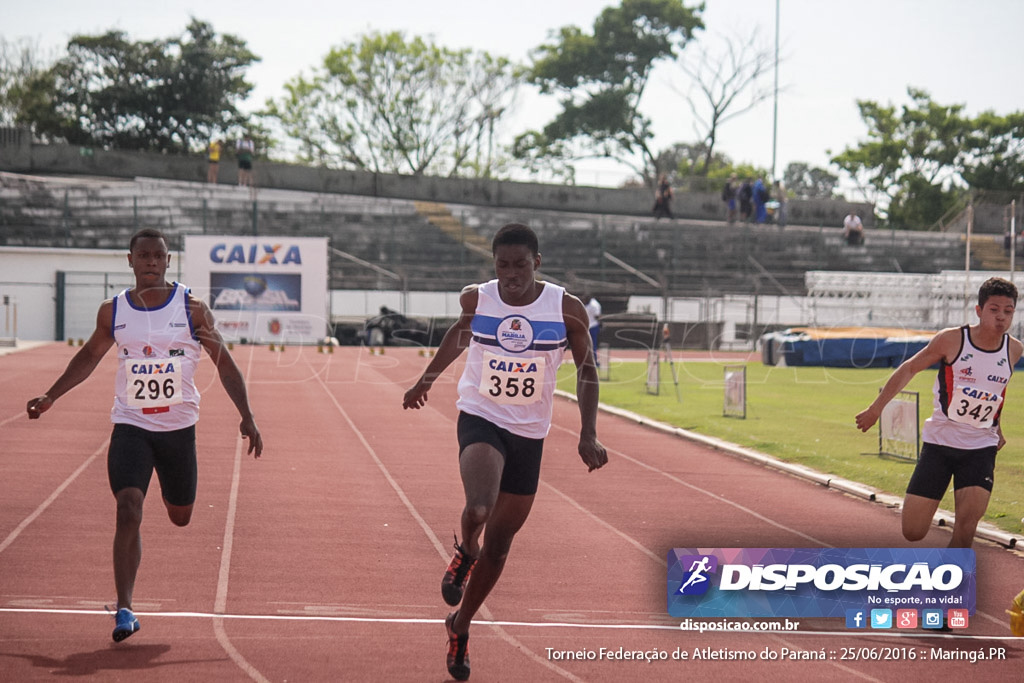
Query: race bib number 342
point(512, 381)
point(974, 407)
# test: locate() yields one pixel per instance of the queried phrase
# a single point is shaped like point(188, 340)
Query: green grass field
point(806, 416)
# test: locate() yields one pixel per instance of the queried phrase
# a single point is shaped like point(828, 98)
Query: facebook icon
point(856, 618)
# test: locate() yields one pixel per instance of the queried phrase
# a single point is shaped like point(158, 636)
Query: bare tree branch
point(724, 85)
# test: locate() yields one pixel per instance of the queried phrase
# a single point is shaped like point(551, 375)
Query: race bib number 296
point(512, 381)
point(153, 383)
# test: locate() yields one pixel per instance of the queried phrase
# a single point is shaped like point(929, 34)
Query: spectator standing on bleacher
point(853, 229)
point(213, 161)
point(245, 148)
point(729, 197)
point(746, 195)
point(780, 197)
point(760, 198)
point(663, 198)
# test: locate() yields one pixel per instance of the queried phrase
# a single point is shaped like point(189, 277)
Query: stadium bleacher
point(438, 247)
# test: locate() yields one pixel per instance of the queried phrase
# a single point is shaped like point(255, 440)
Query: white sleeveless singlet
point(157, 354)
point(513, 360)
point(968, 396)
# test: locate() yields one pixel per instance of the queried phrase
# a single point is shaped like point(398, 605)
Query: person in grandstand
point(516, 329)
point(159, 328)
point(853, 229)
point(963, 434)
point(245, 150)
point(213, 160)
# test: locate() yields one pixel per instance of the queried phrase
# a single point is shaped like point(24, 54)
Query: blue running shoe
point(126, 624)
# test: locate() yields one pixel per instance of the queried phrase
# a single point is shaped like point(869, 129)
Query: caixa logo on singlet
point(515, 334)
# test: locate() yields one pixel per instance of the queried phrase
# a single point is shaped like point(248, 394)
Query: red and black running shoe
point(458, 650)
point(456, 575)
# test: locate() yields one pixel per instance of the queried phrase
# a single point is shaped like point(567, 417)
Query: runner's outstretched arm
point(230, 376)
point(455, 341)
point(577, 330)
point(81, 365)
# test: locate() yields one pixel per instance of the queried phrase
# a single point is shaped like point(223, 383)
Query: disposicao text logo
point(817, 582)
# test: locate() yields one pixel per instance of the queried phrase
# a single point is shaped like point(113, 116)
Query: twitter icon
point(881, 618)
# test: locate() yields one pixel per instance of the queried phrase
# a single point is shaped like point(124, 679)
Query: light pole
point(775, 113)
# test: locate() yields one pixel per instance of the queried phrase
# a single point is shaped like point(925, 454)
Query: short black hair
point(515, 233)
point(146, 232)
point(996, 286)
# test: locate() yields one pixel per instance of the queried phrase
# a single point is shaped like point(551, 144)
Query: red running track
point(322, 561)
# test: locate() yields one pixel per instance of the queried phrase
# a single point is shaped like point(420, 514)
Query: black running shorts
point(135, 452)
point(938, 464)
point(521, 472)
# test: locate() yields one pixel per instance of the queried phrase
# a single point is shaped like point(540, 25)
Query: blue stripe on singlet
point(547, 334)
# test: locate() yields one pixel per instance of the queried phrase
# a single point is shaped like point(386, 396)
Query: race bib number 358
point(153, 383)
point(511, 381)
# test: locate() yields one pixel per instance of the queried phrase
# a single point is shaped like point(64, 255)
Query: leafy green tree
point(21, 64)
point(921, 160)
point(807, 182)
point(600, 79)
point(387, 104)
point(162, 95)
point(993, 154)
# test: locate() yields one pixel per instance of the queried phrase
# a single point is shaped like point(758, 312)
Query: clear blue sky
point(832, 53)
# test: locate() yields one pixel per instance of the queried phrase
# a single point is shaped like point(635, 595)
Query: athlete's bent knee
point(914, 531)
point(478, 514)
point(178, 514)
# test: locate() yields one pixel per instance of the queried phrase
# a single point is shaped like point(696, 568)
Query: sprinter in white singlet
point(516, 329)
point(158, 328)
point(963, 434)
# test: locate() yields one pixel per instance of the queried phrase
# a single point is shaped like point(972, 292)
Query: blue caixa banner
point(817, 582)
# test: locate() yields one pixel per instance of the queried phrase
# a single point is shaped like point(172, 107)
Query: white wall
point(28, 276)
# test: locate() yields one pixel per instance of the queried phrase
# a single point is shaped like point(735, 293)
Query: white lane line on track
point(434, 539)
point(622, 534)
point(715, 496)
point(12, 418)
point(515, 624)
point(53, 496)
point(572, 399)
point(221, 601)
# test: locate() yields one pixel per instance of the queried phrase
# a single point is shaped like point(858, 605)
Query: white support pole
point(967, 261)
point(1013, 237)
